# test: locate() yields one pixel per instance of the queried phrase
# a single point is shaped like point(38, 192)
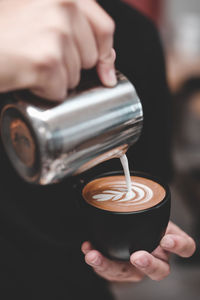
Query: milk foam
point(141, 194)
point(124, 162)
point(129, 193)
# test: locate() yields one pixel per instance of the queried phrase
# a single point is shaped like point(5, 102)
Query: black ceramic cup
point(118, 234)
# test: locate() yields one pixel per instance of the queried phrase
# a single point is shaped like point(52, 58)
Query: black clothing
point(41, 230)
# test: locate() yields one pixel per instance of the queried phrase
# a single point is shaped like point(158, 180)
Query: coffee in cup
point(110, 193)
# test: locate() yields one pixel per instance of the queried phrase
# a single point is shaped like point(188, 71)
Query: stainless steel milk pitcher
point(46, 142)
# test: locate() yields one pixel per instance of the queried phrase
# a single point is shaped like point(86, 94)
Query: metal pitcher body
point(47, 142)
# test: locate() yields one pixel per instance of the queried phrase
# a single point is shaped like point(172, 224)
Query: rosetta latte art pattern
point(111, 193)
point(140, 194)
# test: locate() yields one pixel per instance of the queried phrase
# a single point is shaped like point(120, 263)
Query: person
point(44, 46)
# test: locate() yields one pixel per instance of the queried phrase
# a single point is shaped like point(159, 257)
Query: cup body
point(118, 234)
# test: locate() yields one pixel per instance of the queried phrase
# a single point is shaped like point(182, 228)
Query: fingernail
point(111, 78)
point(167, 242)
point(96, 261)
point(142, 262)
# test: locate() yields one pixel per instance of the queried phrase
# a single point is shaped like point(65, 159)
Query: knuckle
point(90, 61)
point(60, 32)
point(45, 66)
point(107, 57)
point(108, 28)
point(48, 62)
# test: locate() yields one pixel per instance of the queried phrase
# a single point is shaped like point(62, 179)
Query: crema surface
point(110, 193)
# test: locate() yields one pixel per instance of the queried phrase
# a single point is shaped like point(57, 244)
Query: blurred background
point(178, 22)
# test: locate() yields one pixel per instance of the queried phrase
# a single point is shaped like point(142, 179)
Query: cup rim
point(167, 197)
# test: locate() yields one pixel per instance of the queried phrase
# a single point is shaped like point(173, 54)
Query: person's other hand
point(141, 264)
point(45, 44)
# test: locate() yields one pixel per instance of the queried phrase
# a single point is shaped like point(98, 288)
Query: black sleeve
point(140, 57)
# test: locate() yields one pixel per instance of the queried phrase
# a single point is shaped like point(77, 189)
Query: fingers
point(174, 229)
point(106, 70)
point(103, 27)
point(141, 264)
point(183, 246)
point(86, 247)
point(154, 265)
point(108, 269)
point(77, 39)
point(72, 62)
point(51, 82)
point(84, 39)
point(162, 254)
point(111, 270)
point(177, 241)
point(151, 266)
point(62, 37)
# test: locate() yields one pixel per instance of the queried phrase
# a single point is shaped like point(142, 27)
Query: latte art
point(139, 194)
point(110, 193)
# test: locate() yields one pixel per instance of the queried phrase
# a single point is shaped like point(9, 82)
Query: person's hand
point(45, 44)
point(154, 265)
